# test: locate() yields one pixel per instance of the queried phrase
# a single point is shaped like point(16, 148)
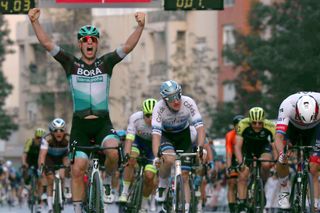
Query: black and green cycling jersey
point(90, 84)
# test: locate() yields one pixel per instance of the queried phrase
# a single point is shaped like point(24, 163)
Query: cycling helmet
point(88, 30)
point(307, 109)
point(39, 132)
point(170, 88)
point(256, 114)
point(57, 123)
point(236, 119)
point(8, 163)
point(148, 105)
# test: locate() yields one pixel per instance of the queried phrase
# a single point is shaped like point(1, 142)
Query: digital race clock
point(16, 6)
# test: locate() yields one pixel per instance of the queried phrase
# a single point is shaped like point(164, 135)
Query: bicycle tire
point(135, 197)
point(32, 198)
point(193, 201)
point(307, 194)
point(95, 198)
point(259, 198)
point(179, 200)
point(295, 201)
point(250, 196)
point(56, 204)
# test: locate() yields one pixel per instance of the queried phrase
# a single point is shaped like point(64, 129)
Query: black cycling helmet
point(236, 119)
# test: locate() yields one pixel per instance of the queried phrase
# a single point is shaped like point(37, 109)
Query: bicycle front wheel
point(308, 194)
point(32, 196)
point(296, 195)
point(56, 198)
point(95, 192)
point(259, 199)
point(179, 196)
point(135, 197)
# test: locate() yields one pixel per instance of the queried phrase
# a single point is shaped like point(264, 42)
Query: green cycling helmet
point(88, 30)
point(148, 105)
point(256, 114)
point(39, 132)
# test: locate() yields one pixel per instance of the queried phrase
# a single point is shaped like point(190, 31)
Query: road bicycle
point(255, 192)
point(95, 190)
point(134, 202)
point(302, 191)
point(175, 199)
point(32, 196)
point(58, 198)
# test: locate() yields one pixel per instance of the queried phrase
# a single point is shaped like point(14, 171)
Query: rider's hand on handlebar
point(156, 162)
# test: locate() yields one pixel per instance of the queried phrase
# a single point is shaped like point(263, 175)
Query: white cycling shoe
point(284, 200)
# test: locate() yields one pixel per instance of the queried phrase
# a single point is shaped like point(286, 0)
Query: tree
point(7, 126)
point(279, 56)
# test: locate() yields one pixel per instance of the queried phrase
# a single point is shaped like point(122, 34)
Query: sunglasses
point(257, 123)
point(86, 39)
point(58, 130)
point(148, 115)
point(175, 97)
point(38, 138)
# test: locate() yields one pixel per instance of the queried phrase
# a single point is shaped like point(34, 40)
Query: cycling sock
point(283, 181)
point(186, 207)
point(77, 206)
point(144, 204)
point(126, 185)
point(163, 182)
point(49, 203)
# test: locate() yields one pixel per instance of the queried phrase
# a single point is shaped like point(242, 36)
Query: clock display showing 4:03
point(16, 6)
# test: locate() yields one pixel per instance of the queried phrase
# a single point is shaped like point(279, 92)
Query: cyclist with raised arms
point(138, 141)
point(89, 78)
point(53, 152)
point(30, 157)
point(232, 162)
point(171, 119)
point(298, 118)
point(254, 139)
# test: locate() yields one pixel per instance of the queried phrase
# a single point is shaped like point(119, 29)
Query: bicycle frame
point(177, 172)
point(302, 174)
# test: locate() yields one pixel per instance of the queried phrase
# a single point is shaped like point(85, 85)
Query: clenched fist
point(34, 14)
point(140, 18)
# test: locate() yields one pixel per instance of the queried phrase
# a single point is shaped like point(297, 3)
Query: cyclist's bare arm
point(238, 148)
point(201, 135)
point(42, 36)
point(42, 157)
point(279, 143)
point(209, 152)
point(24, 159)
point(155, 144)
point(127, 146)
point(135, 36)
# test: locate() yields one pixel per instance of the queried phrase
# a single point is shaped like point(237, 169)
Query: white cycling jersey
point(137, 126)
point(287, 112)
point(163, 119)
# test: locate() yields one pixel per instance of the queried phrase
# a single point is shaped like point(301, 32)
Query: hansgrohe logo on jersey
point(81, 79)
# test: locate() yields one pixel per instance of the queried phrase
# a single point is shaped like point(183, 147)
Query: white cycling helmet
point(307, 109)
point(8, 163)
point(57, 123)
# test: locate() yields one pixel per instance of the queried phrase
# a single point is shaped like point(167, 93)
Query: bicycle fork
point(177, 173)
point(57, 177)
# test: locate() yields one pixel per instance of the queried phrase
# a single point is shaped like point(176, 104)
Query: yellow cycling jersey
point(245, 123)
point(27, 145)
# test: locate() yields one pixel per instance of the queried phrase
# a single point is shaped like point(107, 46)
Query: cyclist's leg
point(242, 187)
point(80, 134)
point(112, 157)
point(266, 166)
point(165, 169)
point(128, 173)
point(232, 184)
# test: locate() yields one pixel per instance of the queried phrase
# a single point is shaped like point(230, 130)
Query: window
point(228, 40)
point(228, 3)
point(229, 92)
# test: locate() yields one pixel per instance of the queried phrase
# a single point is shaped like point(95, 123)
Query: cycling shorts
point(178, 141)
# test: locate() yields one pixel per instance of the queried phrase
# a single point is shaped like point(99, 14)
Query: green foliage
point(285, 61)
point(7, 125)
